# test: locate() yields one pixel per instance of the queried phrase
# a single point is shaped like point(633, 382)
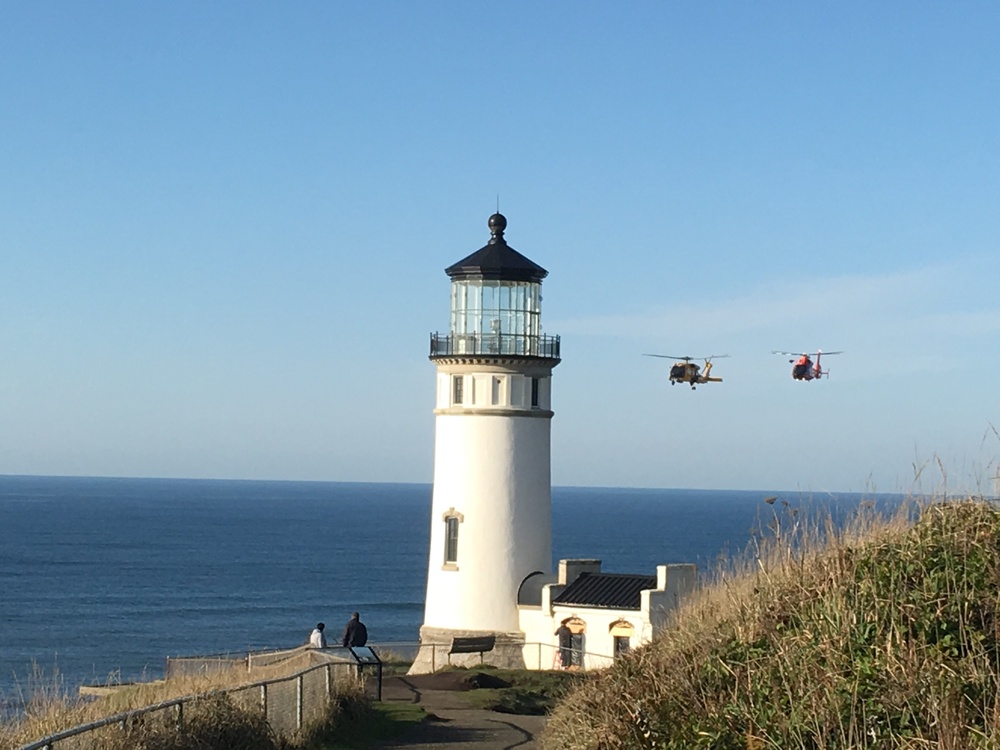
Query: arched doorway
point(571, 645)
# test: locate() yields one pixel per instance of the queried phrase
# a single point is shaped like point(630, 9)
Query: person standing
point(355, 633)
point(565, 636)
point(317, 639)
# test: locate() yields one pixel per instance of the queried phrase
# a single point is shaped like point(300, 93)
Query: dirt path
point(452, 724)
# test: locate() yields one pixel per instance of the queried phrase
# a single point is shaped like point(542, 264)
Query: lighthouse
point(491, 504)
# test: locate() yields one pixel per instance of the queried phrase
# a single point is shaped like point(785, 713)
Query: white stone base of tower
point(436, 643)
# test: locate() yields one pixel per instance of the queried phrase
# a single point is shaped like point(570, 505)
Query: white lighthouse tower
point(491, 507)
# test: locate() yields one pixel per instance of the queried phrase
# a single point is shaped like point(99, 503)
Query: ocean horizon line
point(799, 492)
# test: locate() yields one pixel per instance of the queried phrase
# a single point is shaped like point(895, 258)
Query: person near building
point(565, 636)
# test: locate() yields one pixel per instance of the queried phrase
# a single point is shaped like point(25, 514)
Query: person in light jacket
point(317, 639)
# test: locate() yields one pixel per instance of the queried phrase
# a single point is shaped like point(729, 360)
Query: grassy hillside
point(882, 635)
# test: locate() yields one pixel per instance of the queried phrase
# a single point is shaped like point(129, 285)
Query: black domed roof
point(497, 260)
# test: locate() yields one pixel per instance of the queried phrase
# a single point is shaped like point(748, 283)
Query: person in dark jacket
point(565, 636)
point(355, 634)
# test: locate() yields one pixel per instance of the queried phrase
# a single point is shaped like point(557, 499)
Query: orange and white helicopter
point(686, 371)
point(803, 368)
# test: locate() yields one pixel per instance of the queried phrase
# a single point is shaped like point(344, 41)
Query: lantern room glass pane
point(496, 317)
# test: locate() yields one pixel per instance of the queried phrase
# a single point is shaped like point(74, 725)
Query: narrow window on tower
point(451, 540)
point(534, 392)
point(457, 388)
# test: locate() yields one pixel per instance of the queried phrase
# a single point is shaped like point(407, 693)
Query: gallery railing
point(494, 344)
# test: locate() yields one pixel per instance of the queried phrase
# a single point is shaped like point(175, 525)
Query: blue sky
point(223, 229)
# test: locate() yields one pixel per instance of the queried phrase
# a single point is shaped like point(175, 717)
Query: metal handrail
point(494, 344)
point(46, 743)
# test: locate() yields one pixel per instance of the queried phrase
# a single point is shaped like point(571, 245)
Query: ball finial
point(497, 224)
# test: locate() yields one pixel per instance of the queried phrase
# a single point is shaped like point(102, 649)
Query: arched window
point(622, 632)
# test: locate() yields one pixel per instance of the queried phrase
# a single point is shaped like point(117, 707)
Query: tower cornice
point(512, 361)
point(486, 411)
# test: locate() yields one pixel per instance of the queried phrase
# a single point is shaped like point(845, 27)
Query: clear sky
point(223, 229)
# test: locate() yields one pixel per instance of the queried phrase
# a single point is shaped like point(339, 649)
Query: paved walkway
point(452, 724)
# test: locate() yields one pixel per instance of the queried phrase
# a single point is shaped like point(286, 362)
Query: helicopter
point(686, 371)
point(804, 368)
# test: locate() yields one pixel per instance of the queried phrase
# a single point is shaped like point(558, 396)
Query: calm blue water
point(107, 577)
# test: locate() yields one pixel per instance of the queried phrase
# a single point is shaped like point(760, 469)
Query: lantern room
point(496, 296)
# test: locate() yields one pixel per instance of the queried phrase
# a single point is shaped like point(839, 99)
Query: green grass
point(380, 721)
point(502, 690)
point(524, 692)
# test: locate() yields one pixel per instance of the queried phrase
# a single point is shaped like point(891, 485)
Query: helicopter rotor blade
point(807, 354)
point(668, 356)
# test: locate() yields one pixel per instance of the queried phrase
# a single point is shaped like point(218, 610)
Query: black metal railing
point(494, 344)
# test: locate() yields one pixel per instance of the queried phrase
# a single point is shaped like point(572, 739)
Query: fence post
point(263, 699)
point(298, 701)
point(180, 715)
point(329, 682)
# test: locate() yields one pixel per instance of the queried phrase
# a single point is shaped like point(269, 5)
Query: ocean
point(102, 579)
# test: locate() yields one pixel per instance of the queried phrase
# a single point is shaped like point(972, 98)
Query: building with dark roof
point(603, 615)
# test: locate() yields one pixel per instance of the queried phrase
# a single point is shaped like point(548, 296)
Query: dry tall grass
point(49, 708)
point(879, 634)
